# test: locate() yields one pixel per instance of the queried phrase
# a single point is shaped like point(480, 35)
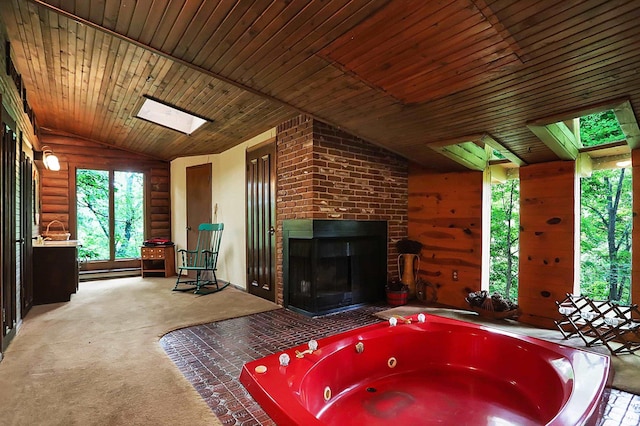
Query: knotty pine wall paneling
point(445, 215)
point(548, 207)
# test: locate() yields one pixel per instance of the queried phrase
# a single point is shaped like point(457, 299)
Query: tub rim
point(576, 411)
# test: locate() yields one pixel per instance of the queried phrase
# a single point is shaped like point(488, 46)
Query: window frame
point(73, 214)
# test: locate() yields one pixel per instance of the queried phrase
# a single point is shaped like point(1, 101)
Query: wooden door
point(198, 202)
point(26, 230)
point(8, 235)
point(261, 220)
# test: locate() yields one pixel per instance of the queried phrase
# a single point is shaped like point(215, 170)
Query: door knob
point(188, 228)
point(272, 230)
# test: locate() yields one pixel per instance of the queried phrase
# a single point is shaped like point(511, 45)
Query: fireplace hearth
point(333, 265)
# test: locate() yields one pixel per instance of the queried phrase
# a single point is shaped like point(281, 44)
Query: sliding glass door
point(110, 214)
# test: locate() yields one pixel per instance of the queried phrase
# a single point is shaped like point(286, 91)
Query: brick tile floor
point(211, 357)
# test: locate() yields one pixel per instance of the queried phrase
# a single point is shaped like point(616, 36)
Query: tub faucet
point(313, 345)
point(402, 319)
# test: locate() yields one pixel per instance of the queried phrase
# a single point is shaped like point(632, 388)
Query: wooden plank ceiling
point(402, 74)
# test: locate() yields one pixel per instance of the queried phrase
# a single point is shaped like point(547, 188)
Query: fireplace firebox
point(333, 265)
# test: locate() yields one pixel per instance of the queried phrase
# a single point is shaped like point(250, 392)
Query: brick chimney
point(327, 173)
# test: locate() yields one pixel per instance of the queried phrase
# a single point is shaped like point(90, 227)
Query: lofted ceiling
point(408, 75)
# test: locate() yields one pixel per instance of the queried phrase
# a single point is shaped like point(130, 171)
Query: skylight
point(600, 128)
point(167, 116)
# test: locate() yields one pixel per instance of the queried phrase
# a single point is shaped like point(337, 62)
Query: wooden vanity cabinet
point(55, 274)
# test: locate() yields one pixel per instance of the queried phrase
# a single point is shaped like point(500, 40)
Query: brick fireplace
point(327, 174)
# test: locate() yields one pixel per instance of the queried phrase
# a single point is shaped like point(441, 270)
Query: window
point(600, 139)
point(605, 214)
point(505, 230)
point(110, 214)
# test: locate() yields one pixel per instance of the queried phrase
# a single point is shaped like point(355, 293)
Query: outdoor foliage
point(505, 224)
point(92, 193)
point(606, 235)
point(599, 128)
point(606, 216)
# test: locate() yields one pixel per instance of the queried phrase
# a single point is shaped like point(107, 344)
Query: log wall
point(57, 187)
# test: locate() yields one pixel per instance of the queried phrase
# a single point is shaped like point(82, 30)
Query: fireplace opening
point(333, 265)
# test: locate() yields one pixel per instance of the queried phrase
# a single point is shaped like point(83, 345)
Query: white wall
point(228, 195)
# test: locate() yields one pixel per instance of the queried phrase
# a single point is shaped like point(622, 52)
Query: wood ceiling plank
point(201, 28)
point(110, 17)
point(413, 25)
point(528, 23)
point(437, 46)
point(117, 50)
point(182, 21)
point(58, 63)
point(154, 17)
point(82, 7)
point(211, 47)
point(414, 61)
point(99, 60)
point(96, 11)
point(267, 26)
point(125, 14)
point(169, 17)
point(138, 18)
point(28, 25)
point(517, 76)
point(67, 4)
point(135, 81)
point(297, 52)
point(534, 77)
point(84, 44)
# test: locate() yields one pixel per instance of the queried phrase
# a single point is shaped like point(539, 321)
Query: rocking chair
point(202, 260)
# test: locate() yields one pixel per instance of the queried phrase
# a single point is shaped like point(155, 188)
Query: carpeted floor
point(626, 367)
point(96, 360)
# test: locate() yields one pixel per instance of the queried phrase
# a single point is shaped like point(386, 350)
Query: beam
point(559, 138)
point(474, 151)
point(628, 123)
point(468, 154)
point(487, 139)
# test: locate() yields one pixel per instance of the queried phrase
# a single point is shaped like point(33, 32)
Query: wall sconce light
point(48, 158)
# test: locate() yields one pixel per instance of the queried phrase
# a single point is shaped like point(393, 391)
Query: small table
point(158, 261)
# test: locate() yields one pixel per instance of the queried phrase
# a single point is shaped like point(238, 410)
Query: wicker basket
point(514, 313)
point(62, 235)
point(486, 311)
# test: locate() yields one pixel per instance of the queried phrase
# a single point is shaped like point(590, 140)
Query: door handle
point(188, 228)
point(272, 230)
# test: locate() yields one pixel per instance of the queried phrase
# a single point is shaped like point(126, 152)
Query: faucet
point(313, 345)
point(401, 318)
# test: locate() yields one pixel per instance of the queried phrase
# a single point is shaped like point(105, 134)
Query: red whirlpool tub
point(440, 371)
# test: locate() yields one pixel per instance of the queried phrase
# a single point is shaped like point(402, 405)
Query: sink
point(64, 243)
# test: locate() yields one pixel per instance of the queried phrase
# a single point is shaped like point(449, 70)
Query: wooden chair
point(202, 261)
